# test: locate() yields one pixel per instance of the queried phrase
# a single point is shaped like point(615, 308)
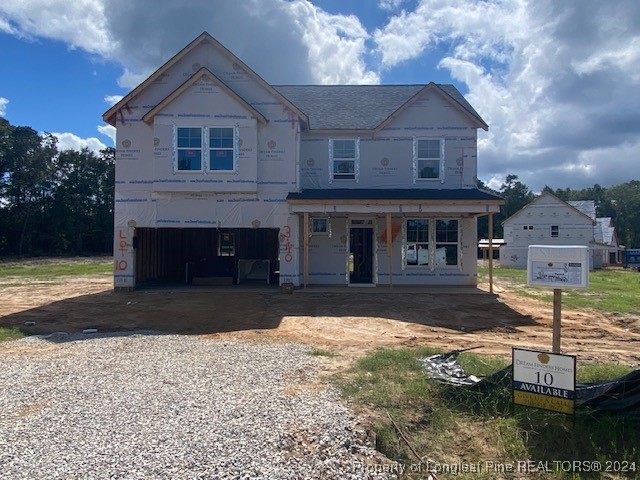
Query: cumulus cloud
point(283, 41)
point(3, 106)
point(108, 131)
point(554, 80)
point(336, 45)
point(69, 141)
point(112, 99)
point(80, 24)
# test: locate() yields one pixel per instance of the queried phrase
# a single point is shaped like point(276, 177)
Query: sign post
point(558, 267)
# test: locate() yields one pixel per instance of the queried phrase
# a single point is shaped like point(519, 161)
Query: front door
point(361, 255)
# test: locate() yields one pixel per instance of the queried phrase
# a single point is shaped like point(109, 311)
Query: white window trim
point(205, 167)
point(431, 265)
point(416, 177)
point(557, 235)
point(326, 232)
point(234, 149)
point(176, 168)
point(356, 162)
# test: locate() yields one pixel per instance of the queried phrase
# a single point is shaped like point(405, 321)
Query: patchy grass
point(448, 425)
point(10, 333)
point(319, 352)
point(43, 271)
point(609, 290)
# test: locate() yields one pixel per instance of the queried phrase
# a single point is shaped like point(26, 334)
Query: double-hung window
point(555, 231)
point(221, 149)
point(189, 149)
point(446, 242)
point(201, 149)
point(418, 242)
point(429, 156)
point(432, 240)
point(343, 158)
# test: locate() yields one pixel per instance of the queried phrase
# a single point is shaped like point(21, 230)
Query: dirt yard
point(348, 322)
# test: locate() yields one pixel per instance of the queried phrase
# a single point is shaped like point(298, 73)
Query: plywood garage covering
point(177, 255)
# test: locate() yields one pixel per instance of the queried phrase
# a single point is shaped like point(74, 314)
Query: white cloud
point(283, 41)
point(111, 100)
point(336, 45)
point(69, 141)
point(554, 81)
point(3, 106)
point(109, 131)
point(80, 23)
point(390, 5)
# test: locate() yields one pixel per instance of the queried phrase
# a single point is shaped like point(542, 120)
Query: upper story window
point(429, 158)
point(200, 149)
point(344, 159)
point(555, 231)
point(221, 149)
point(527, 227)
point(189, 149)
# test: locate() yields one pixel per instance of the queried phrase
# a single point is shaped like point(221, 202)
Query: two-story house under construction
point(222, 177)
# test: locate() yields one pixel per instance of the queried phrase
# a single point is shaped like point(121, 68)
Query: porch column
point(491, 252)
point(389, 249)
point(305, 266)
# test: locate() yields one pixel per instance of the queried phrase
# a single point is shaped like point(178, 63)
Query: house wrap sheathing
point(222, 176)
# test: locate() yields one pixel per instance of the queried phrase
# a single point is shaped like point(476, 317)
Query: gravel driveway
point(148, 405)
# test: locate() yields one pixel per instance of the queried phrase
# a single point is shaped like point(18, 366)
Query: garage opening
point(211, 256)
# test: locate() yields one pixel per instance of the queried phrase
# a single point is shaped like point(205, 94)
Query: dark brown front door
point(361, 253)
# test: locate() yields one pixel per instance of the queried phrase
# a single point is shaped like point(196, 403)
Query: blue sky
point(555, 81)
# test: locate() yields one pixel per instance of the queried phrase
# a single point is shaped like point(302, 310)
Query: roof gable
point(366, 107)
point(538, 199)
point(199, 75)
point(110, 115)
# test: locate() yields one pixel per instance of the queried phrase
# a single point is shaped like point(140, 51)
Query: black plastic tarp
point(620, 396)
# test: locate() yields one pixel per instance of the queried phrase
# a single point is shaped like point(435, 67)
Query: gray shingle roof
point(604, 230)
point(358, 107)
point(588, 207)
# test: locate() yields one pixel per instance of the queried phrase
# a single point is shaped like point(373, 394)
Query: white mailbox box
point(558, 266)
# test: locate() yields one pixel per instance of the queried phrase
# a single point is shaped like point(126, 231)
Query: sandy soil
point(347, 322)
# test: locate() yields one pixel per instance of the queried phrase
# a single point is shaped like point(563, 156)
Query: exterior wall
point(150, 194)
point(386, 160)
point(541, 214)
point(328, 255)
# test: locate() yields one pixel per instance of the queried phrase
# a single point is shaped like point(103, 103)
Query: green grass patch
point(452, 425)
point(609, 290)
point(319, 352)
point(10, 333)
point(40, 271)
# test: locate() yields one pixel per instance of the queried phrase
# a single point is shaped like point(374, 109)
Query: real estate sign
point(558, 266)
point(544, 380)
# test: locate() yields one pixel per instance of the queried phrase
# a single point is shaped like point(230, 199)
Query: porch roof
point(395, 194)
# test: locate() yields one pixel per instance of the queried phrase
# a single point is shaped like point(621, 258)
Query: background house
point(222, 176)
point(551, 221)
point(547, 220)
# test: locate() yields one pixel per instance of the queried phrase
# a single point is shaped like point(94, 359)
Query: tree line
point(53, 202)
point(620, 202)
